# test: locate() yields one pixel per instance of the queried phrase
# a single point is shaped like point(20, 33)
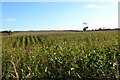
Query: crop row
point(62, 56)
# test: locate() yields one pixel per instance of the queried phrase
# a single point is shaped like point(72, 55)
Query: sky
point(18, 16)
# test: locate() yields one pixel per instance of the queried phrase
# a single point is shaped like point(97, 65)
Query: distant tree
point(85, 28)
point(8, 32)
point(100, 29)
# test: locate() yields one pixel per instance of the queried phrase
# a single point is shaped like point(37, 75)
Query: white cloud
point(10, 19)
point(95, 6)
point(108, 22)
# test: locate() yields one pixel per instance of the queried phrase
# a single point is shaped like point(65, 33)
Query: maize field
point(64, 56)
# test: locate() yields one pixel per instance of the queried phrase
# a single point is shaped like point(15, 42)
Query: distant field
point(60, 55)
point(51, 32)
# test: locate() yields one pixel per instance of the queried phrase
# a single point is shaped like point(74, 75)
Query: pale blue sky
point(58, 15)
